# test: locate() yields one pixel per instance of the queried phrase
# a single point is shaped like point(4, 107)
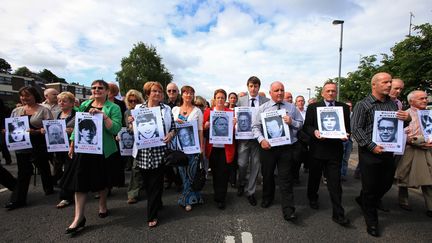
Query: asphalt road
point(40, 221)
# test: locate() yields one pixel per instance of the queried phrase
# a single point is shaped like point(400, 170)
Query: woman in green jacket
point(92, 171)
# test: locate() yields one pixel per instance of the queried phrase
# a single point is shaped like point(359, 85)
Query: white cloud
point(292, 41)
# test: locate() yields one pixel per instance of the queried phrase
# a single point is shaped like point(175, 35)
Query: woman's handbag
point(200, 176)
point(175, 157)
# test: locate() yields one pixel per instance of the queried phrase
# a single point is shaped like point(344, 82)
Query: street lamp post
point(309, 92)
point(341, 22)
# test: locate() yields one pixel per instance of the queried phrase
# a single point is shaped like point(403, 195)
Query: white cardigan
point(196, 114)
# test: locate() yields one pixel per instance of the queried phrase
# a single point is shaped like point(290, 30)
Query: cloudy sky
point(206, 44)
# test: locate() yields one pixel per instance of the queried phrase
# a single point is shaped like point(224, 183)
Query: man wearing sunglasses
point(173, 95)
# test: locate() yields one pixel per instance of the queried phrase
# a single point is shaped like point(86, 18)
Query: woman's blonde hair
point(135, 93)
point(66, 95)
point(148, 85)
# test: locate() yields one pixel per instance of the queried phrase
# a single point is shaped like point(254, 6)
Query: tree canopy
point(23, 71)
point(50, 77)
point(143, 64)
point(410, 60)
point(5, 67)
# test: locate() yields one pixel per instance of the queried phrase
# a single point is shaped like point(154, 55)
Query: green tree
point(143, 64)
point(50, 77)
point(5, 67)
point(411, 60)
point(23, 71)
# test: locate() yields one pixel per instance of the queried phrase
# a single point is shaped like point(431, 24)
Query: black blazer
point(326, 148)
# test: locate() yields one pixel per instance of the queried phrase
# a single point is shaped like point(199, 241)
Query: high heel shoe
point(80, 225)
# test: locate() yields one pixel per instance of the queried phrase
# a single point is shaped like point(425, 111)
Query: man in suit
point(248, 150)
point(326, 155)
point(283, 156)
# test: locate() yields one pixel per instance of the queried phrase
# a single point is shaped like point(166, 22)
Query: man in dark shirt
point(377, 166)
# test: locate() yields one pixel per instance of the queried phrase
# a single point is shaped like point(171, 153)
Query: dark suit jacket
point(326, 148)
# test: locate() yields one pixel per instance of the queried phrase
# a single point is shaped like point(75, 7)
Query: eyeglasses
point(97, 88)
point(172, 91)
point(389, 129)
point(132, 101)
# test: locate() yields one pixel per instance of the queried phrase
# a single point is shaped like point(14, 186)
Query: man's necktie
point(331, 103)
point(253, 102)
point(279, 105)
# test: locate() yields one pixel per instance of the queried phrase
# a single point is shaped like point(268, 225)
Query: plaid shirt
point(151, 158)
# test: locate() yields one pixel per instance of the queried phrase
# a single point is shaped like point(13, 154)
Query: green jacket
point(112, 111)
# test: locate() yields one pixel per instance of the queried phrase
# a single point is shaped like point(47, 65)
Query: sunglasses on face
point(132, 101)
point(172, 91)
point(97, 88)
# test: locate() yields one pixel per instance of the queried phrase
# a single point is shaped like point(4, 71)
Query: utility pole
point(410, 26)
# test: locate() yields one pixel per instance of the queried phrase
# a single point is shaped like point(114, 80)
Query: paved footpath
point(40, 221)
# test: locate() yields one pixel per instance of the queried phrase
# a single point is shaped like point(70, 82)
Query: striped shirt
point(363, 118)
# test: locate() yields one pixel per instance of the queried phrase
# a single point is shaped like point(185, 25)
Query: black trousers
point(64, 159)
point(153, 184)
point(377, 178)
point(7, 179)
point(220, 172)
point(4, 149)
point(302, 156)
point(25, 171)
point(332, 171)
point(284, 158)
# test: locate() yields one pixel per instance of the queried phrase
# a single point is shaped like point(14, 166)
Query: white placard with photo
point(275, 130)
point(243, 128)
point(126, 141)
point(187, 137)
point(17, 135)
point(148, 127)
point(221, 127)
point(88, 133)
point(425, 118)
point(56, 136)
point(388, 131)
point(331, 122)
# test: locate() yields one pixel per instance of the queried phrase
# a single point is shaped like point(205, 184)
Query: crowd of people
point(238, 163)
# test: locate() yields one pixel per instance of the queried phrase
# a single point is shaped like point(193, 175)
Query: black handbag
point(174, 156)
point(200, 176)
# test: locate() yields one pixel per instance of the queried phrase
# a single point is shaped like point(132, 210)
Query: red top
point(229, 148)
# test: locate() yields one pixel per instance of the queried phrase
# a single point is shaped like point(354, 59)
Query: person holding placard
point(283, 156)
point(92, 172)
point(413, 169)
point(377, 167)
point(326, 153)
point(219, 155)
point(38, 155)
point(149, 160)
point(188, 112)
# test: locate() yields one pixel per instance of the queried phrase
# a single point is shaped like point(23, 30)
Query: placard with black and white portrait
point(126, 141)
point(187, 137)
point(275, 130)
point(16, 132)
point(243, 128)
point(88, 133)
point(148, 127)
point(331, 122)
point(425, 118)
point(388, 131)
point(221, 127)
point(55, 135)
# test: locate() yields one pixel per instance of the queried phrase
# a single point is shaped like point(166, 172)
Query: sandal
point(153, 223)
point(188, 208)
point(63, 204)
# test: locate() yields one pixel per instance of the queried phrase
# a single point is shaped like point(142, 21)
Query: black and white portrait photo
point(244, 121)
point(186, 137)
point(17, 134)
point(55, 134)
point(147, 126)
point(330, 121)
point(387, 130)
point(17, 131)
point(425, 117)
point(244, 117)
point(126, 139)
point(274, 127)
point(87, 132)
point(220, 126)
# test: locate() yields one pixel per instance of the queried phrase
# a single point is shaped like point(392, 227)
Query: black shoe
point(240, 191)
point(372, 230)
point(382, 207)
point(103, 215)
point(252, 200)
point(343, 221)
point(314, 205)
point(405, 207)
point(265, 203)
point(429, 213)
point(290, 216)
point(221, 205)
point(80, 225)
point(14, 205)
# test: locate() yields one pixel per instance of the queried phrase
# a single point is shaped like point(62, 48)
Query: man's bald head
point(396, 88)
point(50, 95)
